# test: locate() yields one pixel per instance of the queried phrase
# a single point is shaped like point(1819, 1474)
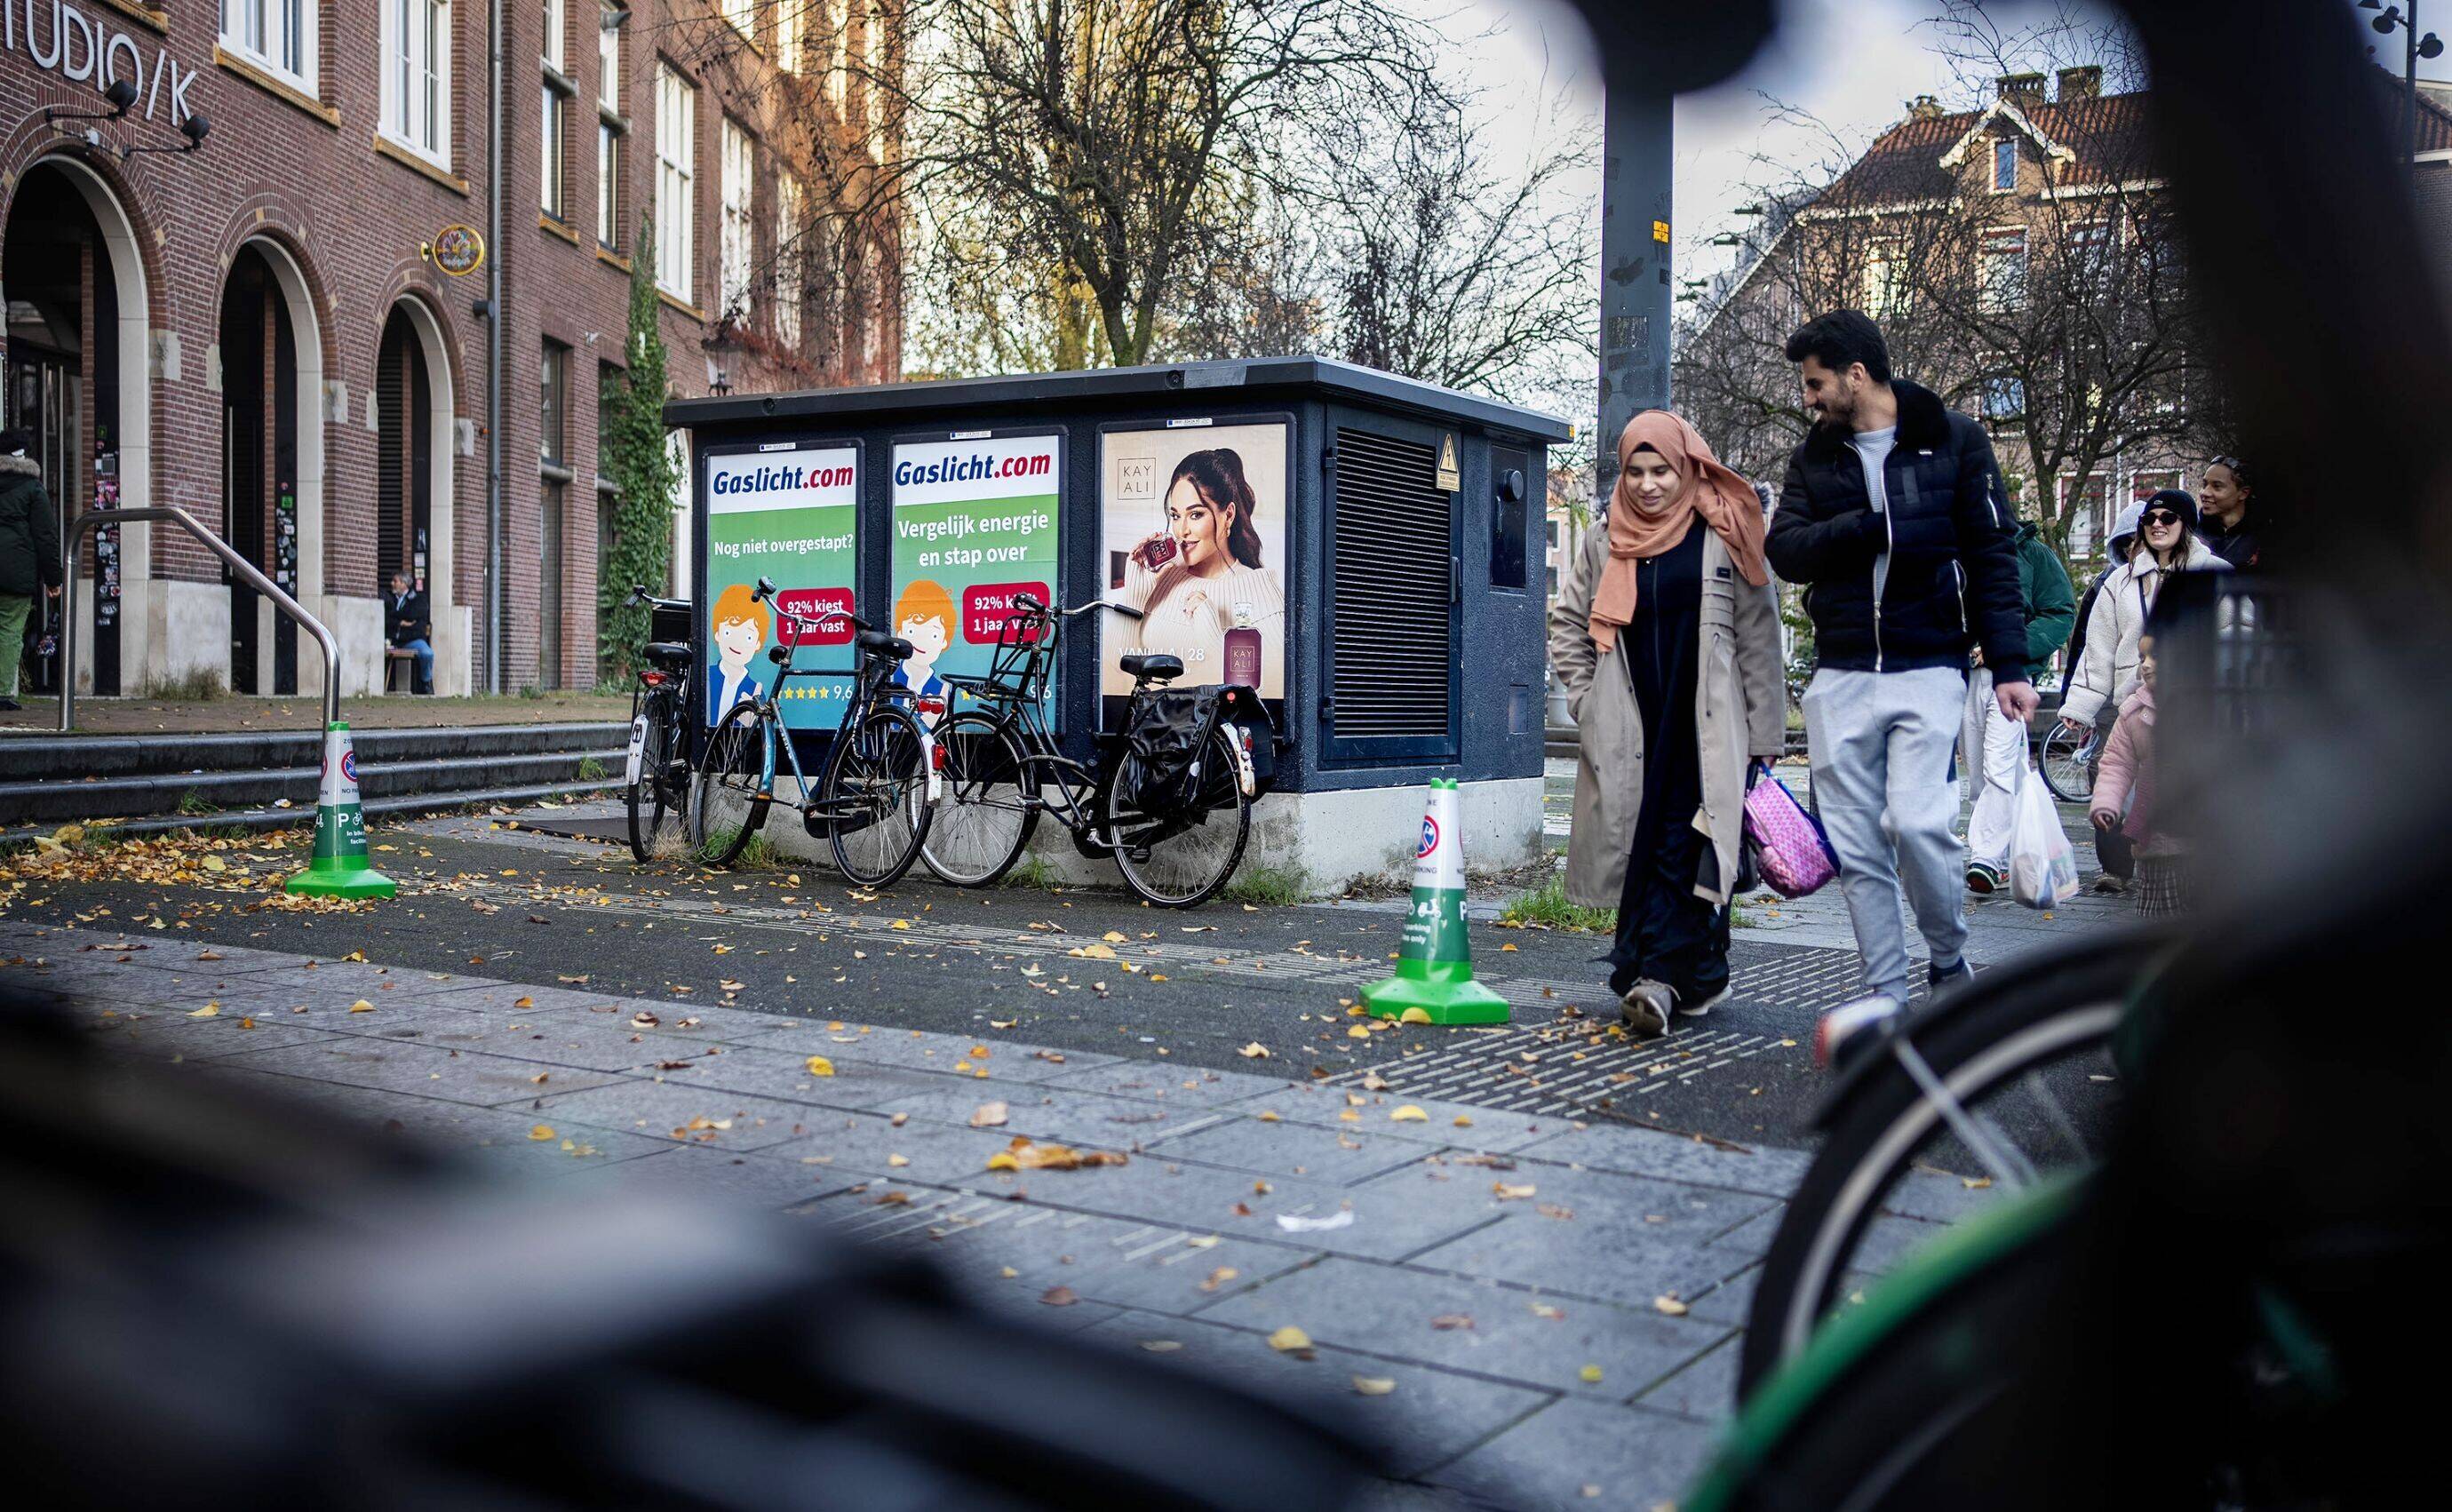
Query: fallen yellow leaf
point(1357, 1031)
point(1254, 1051)
point(209, 1011)
point(362, 1006)
point(1003, 1160)
point(1374, 1386)
point(1590, 1375)
point(1288, 1339)
point(542, 1132)
point(988, 1116)
point(1670, 1306)
point(1407, 1114)
point(1462, 1122)
point(1414, 1016)
point(819, 1066)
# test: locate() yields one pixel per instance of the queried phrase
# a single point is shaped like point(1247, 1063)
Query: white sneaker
point(1699, 1009)
point(1647, 1006)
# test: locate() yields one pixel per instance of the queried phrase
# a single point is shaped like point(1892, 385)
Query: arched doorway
point(272, 462)
point(413, 477)
point(71, 286)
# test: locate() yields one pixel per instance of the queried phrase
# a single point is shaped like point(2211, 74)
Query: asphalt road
point(1086, 969)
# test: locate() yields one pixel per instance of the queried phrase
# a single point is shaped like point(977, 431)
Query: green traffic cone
point(339, 868)
point(1433, 978)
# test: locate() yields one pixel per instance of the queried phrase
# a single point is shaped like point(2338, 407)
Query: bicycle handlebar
point(1025, 602)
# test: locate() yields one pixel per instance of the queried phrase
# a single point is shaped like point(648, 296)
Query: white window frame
point(872, 53)
point(557, 36)
point(743, 16)
point(1991, 295)
point(676, 180)
point(736, 230)
point(1993, 165)
point(2088, 534)
point(1885, 278)
point(612, 130)
point(790, 290)
point(278, 36)
point(790, 33)
point(417, 77)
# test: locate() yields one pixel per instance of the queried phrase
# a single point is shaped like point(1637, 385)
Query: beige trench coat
point(1740, 712)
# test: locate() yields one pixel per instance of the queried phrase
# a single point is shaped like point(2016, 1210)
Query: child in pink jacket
point(2123, 797)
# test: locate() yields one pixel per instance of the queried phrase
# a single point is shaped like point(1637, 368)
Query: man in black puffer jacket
point(1893, 516)
point(29, 552)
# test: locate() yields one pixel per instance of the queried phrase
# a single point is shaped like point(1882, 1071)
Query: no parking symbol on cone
point(339, 868)
point(1435, 960)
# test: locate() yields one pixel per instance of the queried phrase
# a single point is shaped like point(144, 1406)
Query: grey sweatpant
point(1881, 744)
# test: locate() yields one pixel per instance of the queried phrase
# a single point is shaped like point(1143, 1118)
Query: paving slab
point(1176, 1086)
point(762, 1070)
point(167, 1033)
point(1322, 1154)
point(1668, 1156)
point(1705, 1390)
point(1629, 1239)
point(1156, 1268)
point(641, 1105)
point(750, 1178)
point(916, 1050)
point(1068, 1115)
point(1429, 1417)
point(1392, 1311)
point(494, 1136)
point(1482, 1128)
point(1390, 1221)
point(866, 1145)
point(462, 1077)
point(1632, 1456)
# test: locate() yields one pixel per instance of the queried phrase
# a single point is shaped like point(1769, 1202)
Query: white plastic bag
point(2043, 865)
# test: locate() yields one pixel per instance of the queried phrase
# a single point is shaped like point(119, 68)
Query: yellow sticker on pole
point(1660, 231)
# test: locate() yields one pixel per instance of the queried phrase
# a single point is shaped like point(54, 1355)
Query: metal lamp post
point(2417, 46)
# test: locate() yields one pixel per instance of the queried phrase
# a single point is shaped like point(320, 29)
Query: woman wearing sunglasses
point(2115, 630)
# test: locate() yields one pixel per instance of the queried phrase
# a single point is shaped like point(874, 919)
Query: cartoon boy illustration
point(740, 625)
point(923, 616)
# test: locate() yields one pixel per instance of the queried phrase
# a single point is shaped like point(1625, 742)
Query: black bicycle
point(656, 774)
point(1175, 827)
point(872, 795)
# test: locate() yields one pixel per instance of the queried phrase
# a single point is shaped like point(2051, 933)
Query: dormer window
point(2005, 163)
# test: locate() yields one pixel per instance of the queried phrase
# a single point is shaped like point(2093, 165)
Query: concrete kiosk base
point(1322, 842)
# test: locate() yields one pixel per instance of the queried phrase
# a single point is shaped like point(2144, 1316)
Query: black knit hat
point(2175, 499)
point(15, 442)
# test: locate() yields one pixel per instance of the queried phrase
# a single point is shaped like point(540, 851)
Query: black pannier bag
point(1160, 748)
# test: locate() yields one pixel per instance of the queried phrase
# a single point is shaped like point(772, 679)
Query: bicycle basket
point(1159, 776)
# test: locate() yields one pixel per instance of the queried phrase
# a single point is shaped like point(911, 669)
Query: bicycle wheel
point(658, 790)
point(1177, 860)
point(874, 798)
point(987, 806)
point(2001, 1083)
point(1911, 1401)
point(2063, 760)
point(728, 794)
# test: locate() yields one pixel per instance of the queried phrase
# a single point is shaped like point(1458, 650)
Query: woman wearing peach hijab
point(1665, 634)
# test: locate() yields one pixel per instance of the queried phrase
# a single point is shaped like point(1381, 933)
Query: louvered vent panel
point(1390, 572)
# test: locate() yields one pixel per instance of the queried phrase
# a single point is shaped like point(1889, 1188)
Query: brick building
point(2019, 259)
point(258, 330)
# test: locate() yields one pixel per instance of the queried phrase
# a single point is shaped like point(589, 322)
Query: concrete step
point(405, 806)
point(55, 801)
point(74, 757)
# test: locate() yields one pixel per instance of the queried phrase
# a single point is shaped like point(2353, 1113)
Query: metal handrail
point(246, 569)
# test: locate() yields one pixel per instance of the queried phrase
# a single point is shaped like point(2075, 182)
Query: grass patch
point(1034, 870)
point(195, 685)
point(1279, 885)
point(758, 855)
point(193, 802)
point(593, 770)
point(1548, 907)
point(531, 691)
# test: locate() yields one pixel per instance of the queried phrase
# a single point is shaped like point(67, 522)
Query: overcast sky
point(1855, 64)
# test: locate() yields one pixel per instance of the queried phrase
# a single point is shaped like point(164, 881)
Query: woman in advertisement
point(1665, 634)
point(1199, 583)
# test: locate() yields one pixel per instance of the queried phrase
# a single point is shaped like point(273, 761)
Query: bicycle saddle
point(669, 651)
point(1154, 666)
point(877, 643)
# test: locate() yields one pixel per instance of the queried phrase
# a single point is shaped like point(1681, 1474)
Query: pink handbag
point(1790, 851)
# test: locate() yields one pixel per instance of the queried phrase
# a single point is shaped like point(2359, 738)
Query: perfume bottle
point(1243, 649)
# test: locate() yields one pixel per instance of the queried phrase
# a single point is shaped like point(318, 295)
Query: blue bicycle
point(871, 797)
